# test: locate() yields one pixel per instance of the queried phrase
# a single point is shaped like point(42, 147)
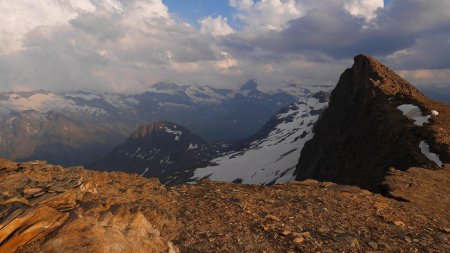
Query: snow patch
point(163, 104)
point(145, 171)
point(137, 150)
point(434, 113)
point(413, 112)
point(425, 149)
point(192, 147)
point(175, 132)
point(166, 160)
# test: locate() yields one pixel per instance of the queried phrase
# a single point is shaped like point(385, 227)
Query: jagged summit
point(375, 120)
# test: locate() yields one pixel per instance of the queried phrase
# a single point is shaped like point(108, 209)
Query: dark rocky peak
point(250, 85)
point(159, 149)
point(156, 127)
point(375, 120)
point(368, 73)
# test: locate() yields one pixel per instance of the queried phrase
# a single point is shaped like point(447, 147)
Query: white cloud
point(364, 8)
point(19, 17)
point(217, 26)
point(266, 14)
point(226, 62)
point(241, 4)
point(128, 45)
point(275, 14)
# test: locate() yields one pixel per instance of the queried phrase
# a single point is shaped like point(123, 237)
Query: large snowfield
point(274, 158)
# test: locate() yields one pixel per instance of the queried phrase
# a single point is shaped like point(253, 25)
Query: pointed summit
point(160, 126)
point(375, 120)
point(369, 73)
point(158, 149)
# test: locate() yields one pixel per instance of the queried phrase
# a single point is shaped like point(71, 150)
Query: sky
point(128, 45)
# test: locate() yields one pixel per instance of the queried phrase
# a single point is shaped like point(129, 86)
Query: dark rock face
point(362, 133)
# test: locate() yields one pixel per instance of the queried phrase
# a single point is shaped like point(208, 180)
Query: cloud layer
point(117, 45)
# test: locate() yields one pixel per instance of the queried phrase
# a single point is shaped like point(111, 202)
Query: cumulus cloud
point(405, 34)
point(265, 14)
point(20, 17)
point(366, 9)
point(217, 26)
point(112, 45)
point(128, 45)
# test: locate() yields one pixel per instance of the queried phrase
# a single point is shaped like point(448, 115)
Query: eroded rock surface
point(47, 208)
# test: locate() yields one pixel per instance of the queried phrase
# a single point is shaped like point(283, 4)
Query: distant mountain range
point(79, 127)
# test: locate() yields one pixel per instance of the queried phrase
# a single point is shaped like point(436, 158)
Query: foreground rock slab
point(78, 210)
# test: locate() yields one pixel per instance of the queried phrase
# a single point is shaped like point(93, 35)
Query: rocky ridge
point(47, 208)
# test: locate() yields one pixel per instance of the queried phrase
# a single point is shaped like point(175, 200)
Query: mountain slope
point(30, 135)
point(271, 155)
point(375, 120)
point(158, 150)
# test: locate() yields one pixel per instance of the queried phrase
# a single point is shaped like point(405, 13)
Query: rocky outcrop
point(427, 187)
point(46, 208)
point(364, 131)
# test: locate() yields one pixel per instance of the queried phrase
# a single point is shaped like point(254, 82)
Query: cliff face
point(375, 120)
